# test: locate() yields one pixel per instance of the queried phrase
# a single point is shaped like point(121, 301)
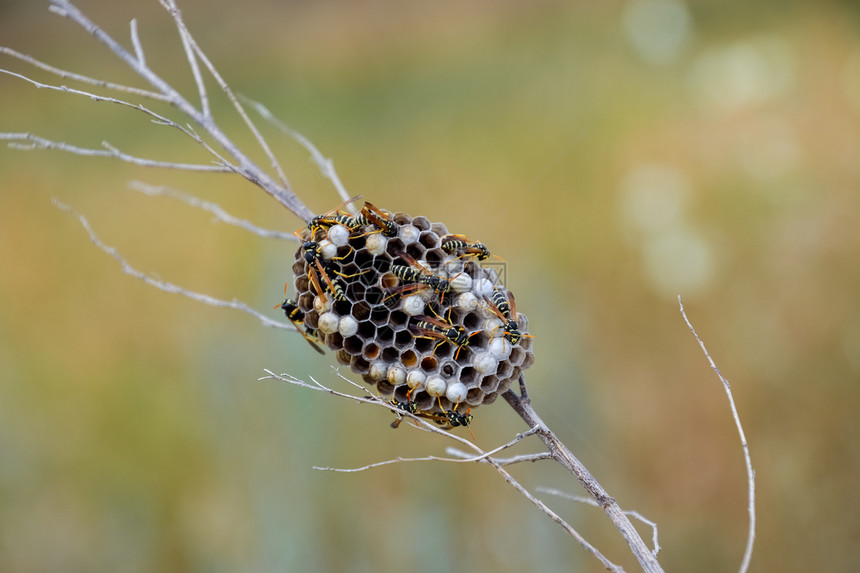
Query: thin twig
point(135, 41)
point(591, 501)
point(36, 142)
point(164, 285)
point(483, 456)
point(323, 163)
point(562, 454)
point(469, 459)
point(194, 52)
point(244, 165)
point(744, 445)
point(505, 461)
point(79, 77)
point(218, 211)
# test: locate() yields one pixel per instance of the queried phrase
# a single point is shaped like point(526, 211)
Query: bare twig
point(505, 461)
point(166, 286)
point(135, 41)
point(193, 53)
point(77, 77)
point(590, 501)
point(323, 163)
point(240, 162)
point(459, 459)
point(218, 211)
point(482, 457)
point(744, 445)
point(560, 452)
point(36, 142)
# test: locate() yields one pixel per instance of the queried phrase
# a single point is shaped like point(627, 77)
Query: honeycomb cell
point(370, 350)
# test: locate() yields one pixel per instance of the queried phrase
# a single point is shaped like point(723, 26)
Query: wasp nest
point(409, 307)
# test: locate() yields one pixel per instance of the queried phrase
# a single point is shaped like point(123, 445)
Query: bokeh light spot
point(659, 30)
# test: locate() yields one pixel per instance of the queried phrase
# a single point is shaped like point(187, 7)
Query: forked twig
point(521, 403)
point(481, 457)
point(167, 286)
point(214, 208)
point(744, 445)
point(238, 161)
point(590, 501)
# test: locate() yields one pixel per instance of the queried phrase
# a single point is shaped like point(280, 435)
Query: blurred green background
point(616, 155)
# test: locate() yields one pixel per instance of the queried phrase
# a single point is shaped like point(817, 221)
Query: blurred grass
point(133, 433)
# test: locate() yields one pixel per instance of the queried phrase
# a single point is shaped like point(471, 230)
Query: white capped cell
point(415, 378)
point(328, 323)
point(376, 244)
point(436, 386)
point(338, 235)
point(456, 392)
point(347, 326)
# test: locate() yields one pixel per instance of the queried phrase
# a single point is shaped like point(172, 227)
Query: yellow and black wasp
point(429, 327)
point(373, 215)
point(453, 244)
point(312, 254)
point(335, 217)
point(297, 317)
point(506, 309)
point(458, 419)
point(450, 417)
point(418, 277)
point(407, 406)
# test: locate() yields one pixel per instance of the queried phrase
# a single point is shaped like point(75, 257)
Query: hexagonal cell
point(517, 355)
point(409, 359)
point(429, 239)
point(439, 228)
point(433, 256)
point(468, 376)
point(528, 361)
point(370, 351)
point(402, 339)
point(504, 370)
point(359, 364)
point(380, 315)
point(414, 250)
point(449, 369)
point(398, 320)
point(421, 223)
point(423, 400)
point(475, 396)
point(489, 384)
point(429, 364)
point(385, 334)
point(366, 329)
point(353, 345)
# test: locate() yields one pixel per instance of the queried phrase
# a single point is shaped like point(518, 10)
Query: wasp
point(326, 221)
point(333, 286)
point(457, 419)
point(410, 407)
point(506, 309)
point(335, 217)
point(454, 243)
point(416, 274)
point(373, 215)
point(314, 258)
point(429, 327)
point(297, 317)
point(450, 417)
